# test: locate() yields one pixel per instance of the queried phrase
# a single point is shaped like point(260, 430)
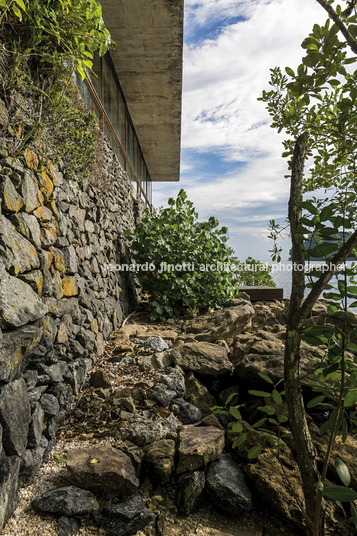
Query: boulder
point(68, 501)
point(15, 416)
point(189, 492)
point(263, 351)
point(142, 431)
point(18, 254)
point(126, 518)
point(12, 201)
point(186, 412)
point(198, 447)
point(99, 378)
point(158, 344)
point(159, 459)
point(68, 526)
point(227, 488)
point(169, 387)
point(203, 358)
point(198, 395)
point(19, 304)
point(16, 349)
point(222, 324)
point(102, 469)
point(9, 487)
point(50, 405)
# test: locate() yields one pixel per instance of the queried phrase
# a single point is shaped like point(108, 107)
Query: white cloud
point(223, 76)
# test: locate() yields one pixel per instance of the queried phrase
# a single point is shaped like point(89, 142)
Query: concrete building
point(138, 87)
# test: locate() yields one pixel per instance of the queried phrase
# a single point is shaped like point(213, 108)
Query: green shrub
point(174, 236)
point(255, 273)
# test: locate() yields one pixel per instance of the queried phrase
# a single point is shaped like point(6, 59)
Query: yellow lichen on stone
point(57, 285)
point(12, 201)
point(59, 262)
point(52, 173)
point(46, 184)
point(69, 286)
point(47, 259)
point(31, 159)
point(44, 214)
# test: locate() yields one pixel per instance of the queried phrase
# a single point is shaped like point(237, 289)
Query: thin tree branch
point(341, 26)
point(319, 286)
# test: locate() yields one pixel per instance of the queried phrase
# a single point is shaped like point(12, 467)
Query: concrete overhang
point(148, 61)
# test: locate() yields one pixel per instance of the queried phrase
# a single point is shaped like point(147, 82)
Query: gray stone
point(68, 526)
point(70, 258)
point(158, 344)
point(12, 201)
point(127, 518)
point(30, 192)
point(186, 412)
point(19, 304)
point(143, 431)
point(18, 345)
point(49, 405)
point(15, 416)
point(169, 387)
point(100, 379)
point(68, 501)
point(189, 492)
point(19, 255)
point(28, 226)
point(9, 487)
point(36, 427)
point(202, 357)
point(227, 487)
point(104, 469)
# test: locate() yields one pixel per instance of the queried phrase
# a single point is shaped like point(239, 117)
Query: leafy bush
point(254, 273)
point(174, 236)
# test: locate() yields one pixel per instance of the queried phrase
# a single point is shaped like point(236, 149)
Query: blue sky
point(231, 165)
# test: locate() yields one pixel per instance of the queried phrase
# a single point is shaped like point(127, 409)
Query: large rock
point(142, 431)
point(17, 347)
point(263, 351)
point(9, 486)
point(198, 447)
point(189, 492)
point(227, 487)
point(186, 412)
point(68, 501)
point(126, 518)
point(159, 459)
point(102, 469)
point(19, 304)
point(223, 324)
point(169, 387)
point(12, 201)
point(15, 416)
point(203, 358)
point(198, 395)
point(18, 254)
point(68, 526)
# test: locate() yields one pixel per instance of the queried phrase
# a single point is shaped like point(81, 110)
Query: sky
point(231, 164)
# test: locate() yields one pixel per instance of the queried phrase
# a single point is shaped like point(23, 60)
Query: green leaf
point(235, 413)
point(353, 514)
point(60, 458)
point(339, 493)
point(260, 422)
point(277, 397)
point(289, 72)
point(21, 4)
point(254, 452)
point(17, 12)
point(259, 393)
point(230, 398)
point(343, 471)
point(315, 401)
point(267, 409)
point(237, 427)
point(350, 399)
point(265, 377)
point(240, 440)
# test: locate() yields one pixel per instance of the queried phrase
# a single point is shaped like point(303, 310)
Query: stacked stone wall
point(58, 304)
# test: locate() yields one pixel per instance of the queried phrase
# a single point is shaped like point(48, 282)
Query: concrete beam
point(148, 60)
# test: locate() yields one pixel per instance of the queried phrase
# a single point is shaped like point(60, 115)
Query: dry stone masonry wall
point(58, 305)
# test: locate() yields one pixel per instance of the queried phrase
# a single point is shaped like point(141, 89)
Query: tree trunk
point(302, 439)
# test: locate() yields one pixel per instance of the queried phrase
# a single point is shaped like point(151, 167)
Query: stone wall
point(58, 305)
